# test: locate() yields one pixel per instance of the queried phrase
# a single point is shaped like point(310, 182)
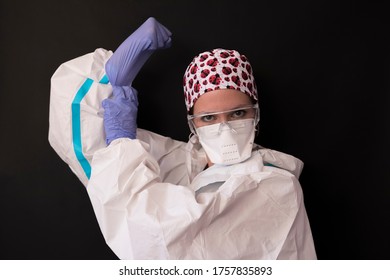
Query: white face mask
point(228, 143)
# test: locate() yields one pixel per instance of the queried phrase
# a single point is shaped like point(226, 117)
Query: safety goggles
point(204, 119)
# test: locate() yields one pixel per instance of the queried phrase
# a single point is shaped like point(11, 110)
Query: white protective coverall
point(152, 197)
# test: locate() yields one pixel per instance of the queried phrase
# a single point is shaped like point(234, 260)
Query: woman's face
point(219, 101)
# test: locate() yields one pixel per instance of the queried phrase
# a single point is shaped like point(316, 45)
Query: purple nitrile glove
point(120, 114)
point(120, 110)
point(124, 65)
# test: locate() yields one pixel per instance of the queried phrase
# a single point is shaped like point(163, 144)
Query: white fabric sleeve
point(76, 129)
point(125, 189)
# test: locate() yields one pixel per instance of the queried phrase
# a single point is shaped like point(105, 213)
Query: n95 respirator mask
point(229, 142)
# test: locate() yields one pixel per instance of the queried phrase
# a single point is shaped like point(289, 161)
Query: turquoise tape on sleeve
point(104, 80)
point(76, 126)
point(76, 123)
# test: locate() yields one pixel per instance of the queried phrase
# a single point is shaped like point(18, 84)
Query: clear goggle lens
point(204, 119)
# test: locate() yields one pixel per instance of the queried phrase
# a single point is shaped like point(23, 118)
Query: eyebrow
point(232, 109)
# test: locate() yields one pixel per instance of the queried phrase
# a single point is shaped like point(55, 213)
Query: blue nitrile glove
point(124, 65)
point(120, 114)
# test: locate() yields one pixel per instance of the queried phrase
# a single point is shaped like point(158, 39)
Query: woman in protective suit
point(219, 196)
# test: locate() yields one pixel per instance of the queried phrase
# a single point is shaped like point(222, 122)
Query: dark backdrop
point(323, 72)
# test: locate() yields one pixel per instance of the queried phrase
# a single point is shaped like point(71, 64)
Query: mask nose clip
point(228, 125)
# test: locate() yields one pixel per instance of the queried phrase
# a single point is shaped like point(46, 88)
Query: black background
point(322, 68)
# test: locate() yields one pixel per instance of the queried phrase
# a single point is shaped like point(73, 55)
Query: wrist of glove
point(120, 114)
